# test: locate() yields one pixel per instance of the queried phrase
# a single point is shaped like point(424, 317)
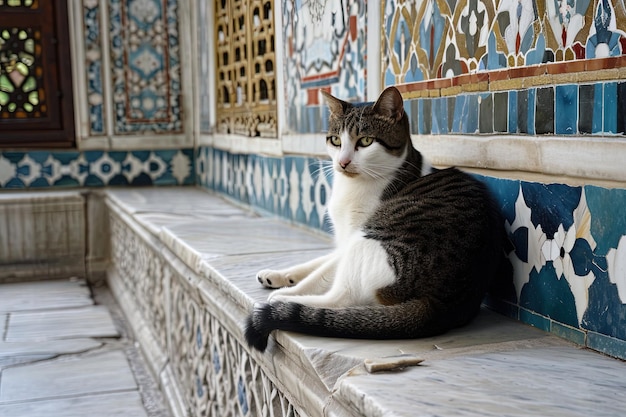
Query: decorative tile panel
point(478, 49)
point(37, 169)
point(427, 39)
point(145, 56)
point(296, 188)
point(569, 242)
point(93, 66)
point(324, 48)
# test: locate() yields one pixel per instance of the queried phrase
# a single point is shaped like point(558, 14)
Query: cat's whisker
point(323, 167)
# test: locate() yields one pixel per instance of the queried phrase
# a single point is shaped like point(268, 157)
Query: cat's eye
point(365, 142)
point(334, 140)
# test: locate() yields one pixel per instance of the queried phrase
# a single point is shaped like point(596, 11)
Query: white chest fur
point(352, 202)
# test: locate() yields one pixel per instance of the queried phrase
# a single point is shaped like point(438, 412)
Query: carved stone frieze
point(213, 371)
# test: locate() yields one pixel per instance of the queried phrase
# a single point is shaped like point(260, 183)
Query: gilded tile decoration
point(324, 47)
point(246, 81)
point(146, 69)
point(431, 39)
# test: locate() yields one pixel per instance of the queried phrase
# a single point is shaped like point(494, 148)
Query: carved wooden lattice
point(246, 87)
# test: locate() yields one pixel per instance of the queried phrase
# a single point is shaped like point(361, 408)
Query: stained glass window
point(21, 92)
point(36, 98)
point(32, 4)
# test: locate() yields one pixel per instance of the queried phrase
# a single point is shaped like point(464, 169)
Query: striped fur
point(416, 247)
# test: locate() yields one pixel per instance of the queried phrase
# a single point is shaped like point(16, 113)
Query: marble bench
point(183, 263)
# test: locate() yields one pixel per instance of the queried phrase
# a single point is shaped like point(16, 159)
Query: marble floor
point(65, 352)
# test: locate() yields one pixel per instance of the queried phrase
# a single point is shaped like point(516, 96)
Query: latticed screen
point(21, 75)
point(20, 3)
point(35, 79)
point(246, 86)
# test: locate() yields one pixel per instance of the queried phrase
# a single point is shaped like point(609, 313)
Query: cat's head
point(368, 139)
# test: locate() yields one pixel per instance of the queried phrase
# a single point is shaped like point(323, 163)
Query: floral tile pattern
point(436, 39)
point(36, 169)
point(569, 255)
point(146, 65)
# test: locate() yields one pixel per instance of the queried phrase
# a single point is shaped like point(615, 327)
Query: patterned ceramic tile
point(565, 110)
point(93, 66)
point(35, 169)
point(432, 39)
point(429, 40)
point(566, 102)
point(145, 56)
point(544, 115)
point(324, 48)
point(569, 243)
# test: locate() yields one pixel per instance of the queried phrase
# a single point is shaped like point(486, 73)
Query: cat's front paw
point(270, 278)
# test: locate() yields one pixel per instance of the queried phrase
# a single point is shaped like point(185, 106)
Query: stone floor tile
point(44, 295)
point(124, 404)
point(92, 321)
point(48, 347)
point(102, 373)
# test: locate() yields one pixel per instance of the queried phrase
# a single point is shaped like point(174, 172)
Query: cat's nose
point(344, 163)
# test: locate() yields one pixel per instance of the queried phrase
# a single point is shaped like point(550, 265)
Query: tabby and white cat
point(416, 247)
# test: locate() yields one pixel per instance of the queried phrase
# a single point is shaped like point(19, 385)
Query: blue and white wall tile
point(46, 169)
point(294, 188)
point(325, 47)
point(93, 66)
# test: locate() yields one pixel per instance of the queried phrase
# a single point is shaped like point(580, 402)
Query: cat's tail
point(408, 320)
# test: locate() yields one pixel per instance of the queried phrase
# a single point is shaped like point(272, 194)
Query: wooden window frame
point(56, 129)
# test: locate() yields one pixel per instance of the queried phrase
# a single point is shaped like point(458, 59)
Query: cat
point(416, 247)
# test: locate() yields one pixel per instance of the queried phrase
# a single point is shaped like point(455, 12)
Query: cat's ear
point(336, 106)
point(390, 104)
